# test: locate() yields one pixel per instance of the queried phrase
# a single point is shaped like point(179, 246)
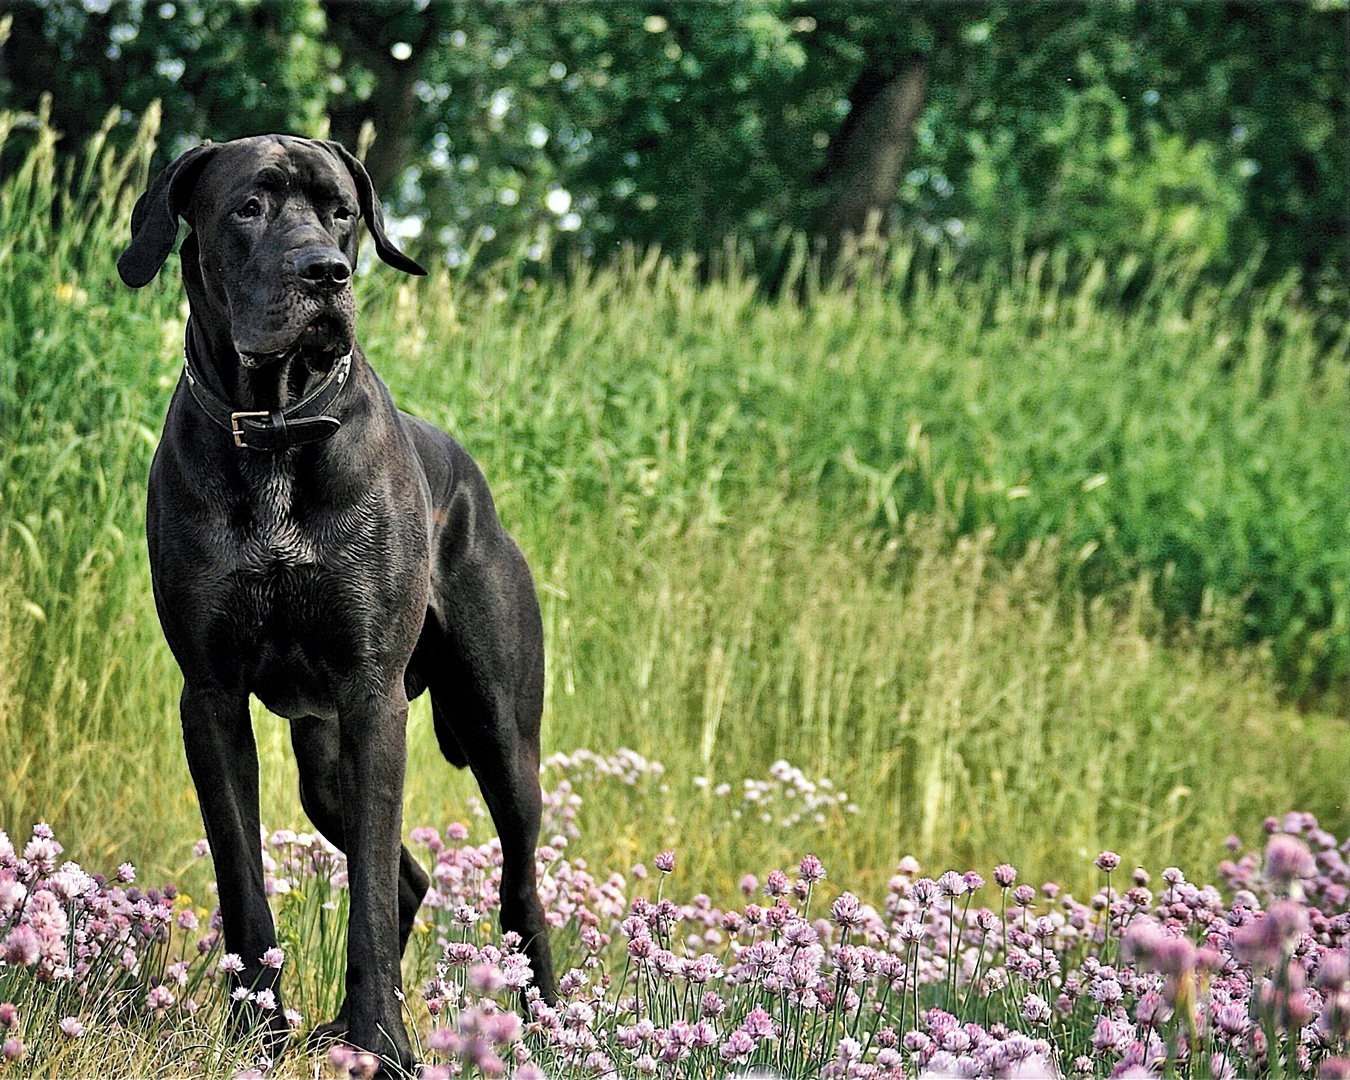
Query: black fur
point(336, 580)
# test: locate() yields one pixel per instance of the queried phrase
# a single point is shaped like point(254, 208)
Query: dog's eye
point(250, 209)
point(342, 213)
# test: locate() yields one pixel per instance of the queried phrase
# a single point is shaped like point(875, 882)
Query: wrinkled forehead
point(278, 163)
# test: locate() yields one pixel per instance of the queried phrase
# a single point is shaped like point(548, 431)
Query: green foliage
point(516, 130)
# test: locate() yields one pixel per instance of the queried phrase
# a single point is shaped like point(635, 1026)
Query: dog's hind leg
point(506, 765)
point(316, 752)
point(223, 760)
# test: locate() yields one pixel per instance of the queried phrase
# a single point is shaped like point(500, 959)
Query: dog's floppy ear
point(370, 210)
point(154, 219)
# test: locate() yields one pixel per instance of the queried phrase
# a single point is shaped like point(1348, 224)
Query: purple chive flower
point(846, 912)
point(71, 1027)
point(811, 869)
point(485, 979)
point(1333, 974)
point(1287, 860)
point(1107, 861)
point(1035, 1009)
point(23, 946)
point(974, 882)
point(1232, 1020)
point(1005, 875)
point(266, 999)
point(737, 1049)
point(1023, 895)
point(665, 862)
point(749, 884)
point(13, 1049)
point(126, 873)
point(758, 1024)
point(274, 957)
point(159, 998)
point(9, 1015)
point(951, 884)
point(1263, 941)
point(231, 963)
point(776, 884)
point(925, 892)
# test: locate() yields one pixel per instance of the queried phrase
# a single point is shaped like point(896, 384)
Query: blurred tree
point(219, 69)
point(517, 130)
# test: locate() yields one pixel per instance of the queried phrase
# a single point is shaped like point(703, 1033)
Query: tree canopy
point(526, 130)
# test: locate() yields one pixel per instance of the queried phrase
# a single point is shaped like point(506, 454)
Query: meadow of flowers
point(948, 974)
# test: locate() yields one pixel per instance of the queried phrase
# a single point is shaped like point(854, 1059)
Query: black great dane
point(314, 546)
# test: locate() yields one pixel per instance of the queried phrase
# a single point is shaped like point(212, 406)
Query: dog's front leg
point(223, 759)
point(373, 759)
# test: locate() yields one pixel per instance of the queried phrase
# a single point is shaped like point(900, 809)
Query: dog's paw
point(324, 1035)
point(389, 1043)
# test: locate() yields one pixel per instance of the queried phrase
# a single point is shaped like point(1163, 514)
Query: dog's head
point(275, 221)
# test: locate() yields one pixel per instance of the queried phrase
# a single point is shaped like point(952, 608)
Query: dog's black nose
point(325, 269)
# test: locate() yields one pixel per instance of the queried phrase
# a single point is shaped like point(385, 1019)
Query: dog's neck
point(268, 388)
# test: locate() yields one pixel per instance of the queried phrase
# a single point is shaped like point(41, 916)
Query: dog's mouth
point(318, 344)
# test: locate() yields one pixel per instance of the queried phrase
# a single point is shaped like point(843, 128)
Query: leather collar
point(296, 425)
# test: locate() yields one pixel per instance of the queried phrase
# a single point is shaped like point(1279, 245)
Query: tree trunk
point(867, 157)
point(365, 35)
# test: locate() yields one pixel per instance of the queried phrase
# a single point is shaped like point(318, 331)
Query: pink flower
point(1035, 1009)
point(12, 1049)
point(845, 911)
point(1263, 941)
point(665, 862)
point(1107, 861)
point(758, 1024)
point(23, 947)
point(811, 869)
point(231, 963)
point(749, 884)
point(1287, 860)
point(925, 892)
point(9, 1015)
point(71, 1027)
point(274, 957)
point(485, 979)
point(159, 998)
point(737, 1049)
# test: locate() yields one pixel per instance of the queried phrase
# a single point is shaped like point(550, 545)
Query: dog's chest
point(271, 532)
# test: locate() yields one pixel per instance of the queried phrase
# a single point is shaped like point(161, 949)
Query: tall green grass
point(1027, 570)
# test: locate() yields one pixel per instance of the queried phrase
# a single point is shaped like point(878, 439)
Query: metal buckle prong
point(237, 431)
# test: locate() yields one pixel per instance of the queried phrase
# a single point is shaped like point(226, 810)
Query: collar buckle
point(237, 431)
